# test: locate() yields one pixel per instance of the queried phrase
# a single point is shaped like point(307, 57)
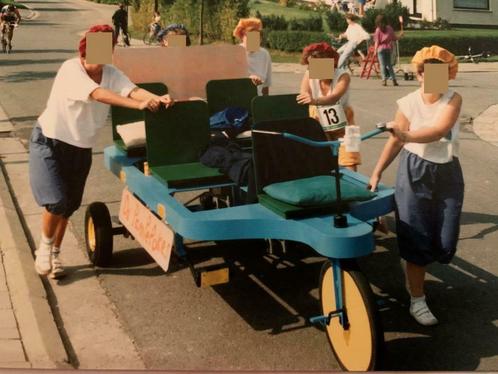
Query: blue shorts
point(429, 200)
point(57, 173)
point(362, 2)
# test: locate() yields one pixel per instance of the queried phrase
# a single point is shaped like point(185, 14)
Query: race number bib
point(332, 117)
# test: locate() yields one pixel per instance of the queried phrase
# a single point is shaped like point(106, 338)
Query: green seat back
point(277, 107)
point(176, 138)
point(177, 135)
point(226, 93)
point(122, 116)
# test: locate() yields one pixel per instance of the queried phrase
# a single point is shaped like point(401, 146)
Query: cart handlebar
point(380, 128)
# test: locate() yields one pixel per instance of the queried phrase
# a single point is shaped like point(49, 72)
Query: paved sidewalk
point(12, 353)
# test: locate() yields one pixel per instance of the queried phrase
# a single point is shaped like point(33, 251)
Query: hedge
point(293, 41)
point(455, 44)
point(313, 23)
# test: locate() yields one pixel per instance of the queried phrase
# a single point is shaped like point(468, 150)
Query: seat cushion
point(188, 175)
point(133, 134)
point(316, 191)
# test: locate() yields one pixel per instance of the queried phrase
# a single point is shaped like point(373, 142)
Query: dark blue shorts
point(429, 200)
point(362, 2)
point(57, 173)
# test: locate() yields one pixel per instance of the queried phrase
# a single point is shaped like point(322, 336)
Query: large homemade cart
point(287, 146)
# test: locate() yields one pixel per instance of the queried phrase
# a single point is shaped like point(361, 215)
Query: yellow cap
point(438, 53)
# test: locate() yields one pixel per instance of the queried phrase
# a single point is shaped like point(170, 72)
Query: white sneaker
point(43, 264)
point(420, 311)
point(57, 268)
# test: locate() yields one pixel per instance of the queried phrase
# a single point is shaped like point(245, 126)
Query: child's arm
point(389, 153)
point(444, 124)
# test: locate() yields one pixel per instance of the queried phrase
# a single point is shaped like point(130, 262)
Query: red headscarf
point(319, 50)
point(96, 28)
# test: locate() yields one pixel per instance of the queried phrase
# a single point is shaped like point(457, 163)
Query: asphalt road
point(258, 320)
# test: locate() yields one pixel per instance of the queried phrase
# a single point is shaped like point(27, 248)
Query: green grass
point(284, 57)
point(266, 7)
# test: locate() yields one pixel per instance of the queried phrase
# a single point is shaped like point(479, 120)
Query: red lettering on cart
point(153, 234)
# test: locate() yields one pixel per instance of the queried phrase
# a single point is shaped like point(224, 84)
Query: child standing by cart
point(260, 69)
point(62, 139)
point(429, 184)
point(322, 93)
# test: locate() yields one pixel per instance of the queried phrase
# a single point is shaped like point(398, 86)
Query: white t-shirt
point(71, 115)
point(356, 33)
point(421, 115)
point(316, 92)
point(260, 64)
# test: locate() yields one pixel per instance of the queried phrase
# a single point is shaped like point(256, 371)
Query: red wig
point(96, 28)
point(319, 50)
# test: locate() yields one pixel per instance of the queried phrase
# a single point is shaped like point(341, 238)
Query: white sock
point(417, 299)
point(56, 249)
point(46, 240)
point(45, 243)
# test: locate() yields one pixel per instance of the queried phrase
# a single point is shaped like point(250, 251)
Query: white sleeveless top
point(421, 115)
point(316, 92)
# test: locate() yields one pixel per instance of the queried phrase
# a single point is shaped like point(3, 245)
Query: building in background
point(457, 12)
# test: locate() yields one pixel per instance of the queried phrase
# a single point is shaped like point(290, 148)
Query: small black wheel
point(149, 38)
point(98, 234)
point(361, 346)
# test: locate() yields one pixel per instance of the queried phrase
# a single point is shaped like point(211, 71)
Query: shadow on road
point(463, 297)
point(32, 62)
point(64, 10)
point(45, 51)
point(27, 76)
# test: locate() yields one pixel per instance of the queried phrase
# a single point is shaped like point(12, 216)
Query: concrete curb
point(40, 336)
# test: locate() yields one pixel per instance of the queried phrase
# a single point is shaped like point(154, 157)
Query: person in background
point(173, 29)
point(319, 93)
point(355, 34)
point(362, 7)
point(155, 26)
point(260, 69)
point(120, 22)
point(384, 37)
point(9, 16)
point(60, 147)
point(429, 184)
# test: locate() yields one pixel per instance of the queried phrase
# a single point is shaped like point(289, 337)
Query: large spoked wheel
point(360, 347)
point(98, 234)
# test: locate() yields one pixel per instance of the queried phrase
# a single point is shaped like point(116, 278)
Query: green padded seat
point(122, 116)
point(289, 211)
point(311, 196)
point(176, 138)
point(187, 175)
point(315, 191)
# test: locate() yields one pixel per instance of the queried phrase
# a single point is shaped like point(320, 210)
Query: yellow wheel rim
point(91, 234)
point(353, 347)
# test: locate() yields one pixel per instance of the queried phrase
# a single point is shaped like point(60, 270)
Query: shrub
point(313, 23)
point(273, 22)
point(391, 12)
point(442, 24)
point(220, 16)
point(456, 44)
point(294, 41)
point(336, 20)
